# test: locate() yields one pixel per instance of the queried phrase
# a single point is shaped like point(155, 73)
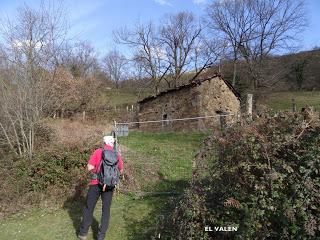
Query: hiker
point(96, 188)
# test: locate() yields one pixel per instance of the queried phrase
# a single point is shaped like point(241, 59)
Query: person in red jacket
point(96, 190)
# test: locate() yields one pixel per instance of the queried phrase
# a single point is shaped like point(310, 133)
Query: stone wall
point(190, 101)
point(217, 97)
point(172, 105)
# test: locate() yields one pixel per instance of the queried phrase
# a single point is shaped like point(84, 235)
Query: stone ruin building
point(207, 97)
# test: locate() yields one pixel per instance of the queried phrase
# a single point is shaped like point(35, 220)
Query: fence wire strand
point(175, 119)
point(184, 170)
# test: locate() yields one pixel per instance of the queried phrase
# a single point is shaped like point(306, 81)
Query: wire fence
point(196, 123)
point(176, 119)
point(170, 170)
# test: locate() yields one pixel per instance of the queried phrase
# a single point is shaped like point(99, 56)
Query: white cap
point(109, 140)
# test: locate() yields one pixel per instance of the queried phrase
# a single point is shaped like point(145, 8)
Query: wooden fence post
point(115, 130)
point(223, 121)
point(294, 106)
point(83, 115)
point(249, 106)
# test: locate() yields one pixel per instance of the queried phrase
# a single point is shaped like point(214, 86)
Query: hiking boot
point(82, 237)
point(101, 236)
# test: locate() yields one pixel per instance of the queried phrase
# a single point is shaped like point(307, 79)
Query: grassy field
point(159, 162)
point(113, 97)
point(131, 218)
point(283, 100)
point(162, 159)
point(120, 97)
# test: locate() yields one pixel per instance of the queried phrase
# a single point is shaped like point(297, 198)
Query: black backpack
point(109, 173)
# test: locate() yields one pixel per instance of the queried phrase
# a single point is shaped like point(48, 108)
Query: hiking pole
point(115, 147)
point(114, 134)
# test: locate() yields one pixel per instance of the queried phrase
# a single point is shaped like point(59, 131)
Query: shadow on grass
point(145, 215)
point(154, 210)
point(74, 206)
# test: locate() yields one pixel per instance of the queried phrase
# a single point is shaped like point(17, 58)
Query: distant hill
point(299, 71)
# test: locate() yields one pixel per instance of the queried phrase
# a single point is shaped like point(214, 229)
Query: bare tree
point(30, 43)
point(84, 59)
point(80, 57)
point(235, 21)
point(166, 53)
point(114, 64)
point(256, 29)
point(148, 54)
point(181, 42)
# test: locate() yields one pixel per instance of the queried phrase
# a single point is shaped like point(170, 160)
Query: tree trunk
point(234, 73)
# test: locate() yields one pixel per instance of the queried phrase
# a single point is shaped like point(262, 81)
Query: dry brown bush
point(74, 132)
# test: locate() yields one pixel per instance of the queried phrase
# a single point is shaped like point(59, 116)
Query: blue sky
point(95, 20)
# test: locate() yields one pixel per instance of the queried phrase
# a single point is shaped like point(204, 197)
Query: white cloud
point(163, 2)
point(199, 2)
point(27, 43)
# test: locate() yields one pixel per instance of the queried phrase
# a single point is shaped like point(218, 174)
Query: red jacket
point(95, 160)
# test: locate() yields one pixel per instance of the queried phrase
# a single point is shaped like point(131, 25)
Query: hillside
point(283, 100)
point(291, 72)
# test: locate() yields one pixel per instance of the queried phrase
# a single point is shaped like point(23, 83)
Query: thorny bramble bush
point(52, 175)
point(261, 177)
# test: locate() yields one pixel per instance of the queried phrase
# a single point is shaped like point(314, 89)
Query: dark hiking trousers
point(93, 195)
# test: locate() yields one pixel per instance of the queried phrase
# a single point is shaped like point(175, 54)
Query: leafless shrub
point(27, 77)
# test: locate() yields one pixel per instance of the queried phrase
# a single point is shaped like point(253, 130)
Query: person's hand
point(90, 167)
point(104, 188)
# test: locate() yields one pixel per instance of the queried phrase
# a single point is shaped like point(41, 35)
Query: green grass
point(165, 156)
point(130, 219)
point(283, 100)
point(120, 97)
